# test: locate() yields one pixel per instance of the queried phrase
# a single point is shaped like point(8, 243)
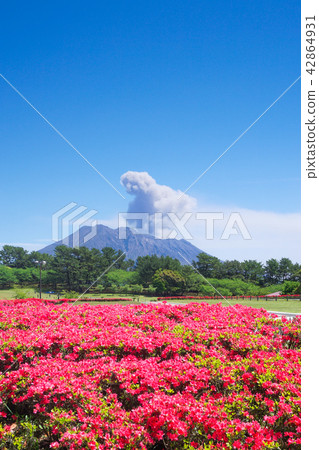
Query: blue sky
point(162, 87)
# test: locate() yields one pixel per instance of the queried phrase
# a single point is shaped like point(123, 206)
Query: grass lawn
point(6, 294)
point(293, 306)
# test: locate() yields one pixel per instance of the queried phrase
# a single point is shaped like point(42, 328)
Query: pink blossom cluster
point(70, 300)
point(152, 376)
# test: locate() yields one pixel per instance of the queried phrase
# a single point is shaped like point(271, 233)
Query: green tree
point(66, 265)
point(168, 281)
point(285, 269)
point(113, 259)
point(122, 277)
point(108, 256)
point(232, 269)
point(146, 266)
point(89, 267)
point(7, 277)
point(272, 275)
point(208, 266)
point(296, 273)
point(24, 276)
point(291, 287)
point(193, 280)
point(37, 256)
point(253, 271)
point(12, 256)
point(128, 264)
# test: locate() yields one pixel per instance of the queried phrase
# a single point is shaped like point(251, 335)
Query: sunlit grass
point(293, 306)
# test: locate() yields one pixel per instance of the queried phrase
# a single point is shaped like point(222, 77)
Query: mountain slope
point(133, 245)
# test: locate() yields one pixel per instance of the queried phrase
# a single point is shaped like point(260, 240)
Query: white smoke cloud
point(151, 197)
point(273, 235)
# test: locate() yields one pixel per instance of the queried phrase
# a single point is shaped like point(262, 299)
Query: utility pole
point(41, 264)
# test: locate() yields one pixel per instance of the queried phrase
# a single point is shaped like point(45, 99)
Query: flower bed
point(153, 376)
point(69, 300)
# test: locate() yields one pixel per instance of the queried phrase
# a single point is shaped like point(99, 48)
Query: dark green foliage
point(234, 287)
point(168, 281)
point(232, 269)
point(208, 266)
point(79, 269)
point(291, 287)
point(252, 271)
point(146, 266)
point(19, 258)
point(271, 271)
point(14, 256)
point(285, 269)
point(7, 277)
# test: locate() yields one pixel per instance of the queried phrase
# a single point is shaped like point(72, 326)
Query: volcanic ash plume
point(151, 197)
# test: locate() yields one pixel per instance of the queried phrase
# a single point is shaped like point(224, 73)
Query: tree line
point(76, 269)
point(273, 272)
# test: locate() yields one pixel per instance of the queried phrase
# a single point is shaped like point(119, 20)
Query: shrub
point(21, 293)
point(115, 377)
point(291, 287)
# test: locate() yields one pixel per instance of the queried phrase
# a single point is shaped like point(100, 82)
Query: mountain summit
point(133, 245)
